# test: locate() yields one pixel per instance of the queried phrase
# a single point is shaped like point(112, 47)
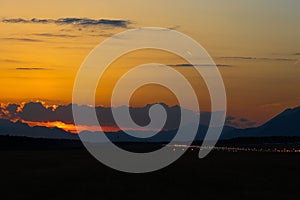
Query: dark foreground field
point(74, 174)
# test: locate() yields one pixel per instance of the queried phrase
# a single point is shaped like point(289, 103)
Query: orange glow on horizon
point(71, 127)
point(41, 60)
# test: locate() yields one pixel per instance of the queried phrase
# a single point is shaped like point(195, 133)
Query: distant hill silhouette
point(286, 124)
point(21, 129)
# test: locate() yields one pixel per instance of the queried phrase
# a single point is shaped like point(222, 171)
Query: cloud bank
point(40, 113)
point(71, 21)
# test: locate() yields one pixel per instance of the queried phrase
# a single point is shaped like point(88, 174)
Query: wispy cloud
point(54, 35)
point(198, 65)
point(72, 21)
point(20, 20)
point(106, 35)
point(258, 58)
point(11, 61)
point(239, 122)
point(175, 27)
point(31, 68)
point(21, 39)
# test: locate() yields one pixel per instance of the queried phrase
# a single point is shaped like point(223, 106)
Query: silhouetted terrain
point(37, 167)
point(21, 129)
point(75, 174)
point(286, 124)
point(27, 143)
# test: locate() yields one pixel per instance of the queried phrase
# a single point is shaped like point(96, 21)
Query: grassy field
point(75, 174)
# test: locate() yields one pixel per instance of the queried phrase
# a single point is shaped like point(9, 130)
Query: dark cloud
point(258, 58)
point(72, 21)
point(12, 108)
point(39, 112)
point(239, 122)
point(31, 68)
point(251, 124)
point(14, 20)
point(243, 120)
point(231, 121)
point(229, 118)
point(11, 61)
point(20, 20)
point(198, 65)
point(36, 112)
point(8, 111)
point(233, 124)
point(22, 39)
point(102, 35)
point(87, 21)
point(55, 35)
point(175, 27)
point(223, 65)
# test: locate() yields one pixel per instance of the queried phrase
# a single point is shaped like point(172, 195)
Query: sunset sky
point(256, 45)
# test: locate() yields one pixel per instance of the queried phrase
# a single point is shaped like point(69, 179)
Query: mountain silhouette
point(21, 129)
point(286, 124)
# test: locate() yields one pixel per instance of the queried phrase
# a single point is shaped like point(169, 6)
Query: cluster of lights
point(233, 149)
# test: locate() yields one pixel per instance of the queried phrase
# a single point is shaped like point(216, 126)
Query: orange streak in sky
point(71, 127)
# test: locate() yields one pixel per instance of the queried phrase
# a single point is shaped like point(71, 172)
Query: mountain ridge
point(286, 124)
